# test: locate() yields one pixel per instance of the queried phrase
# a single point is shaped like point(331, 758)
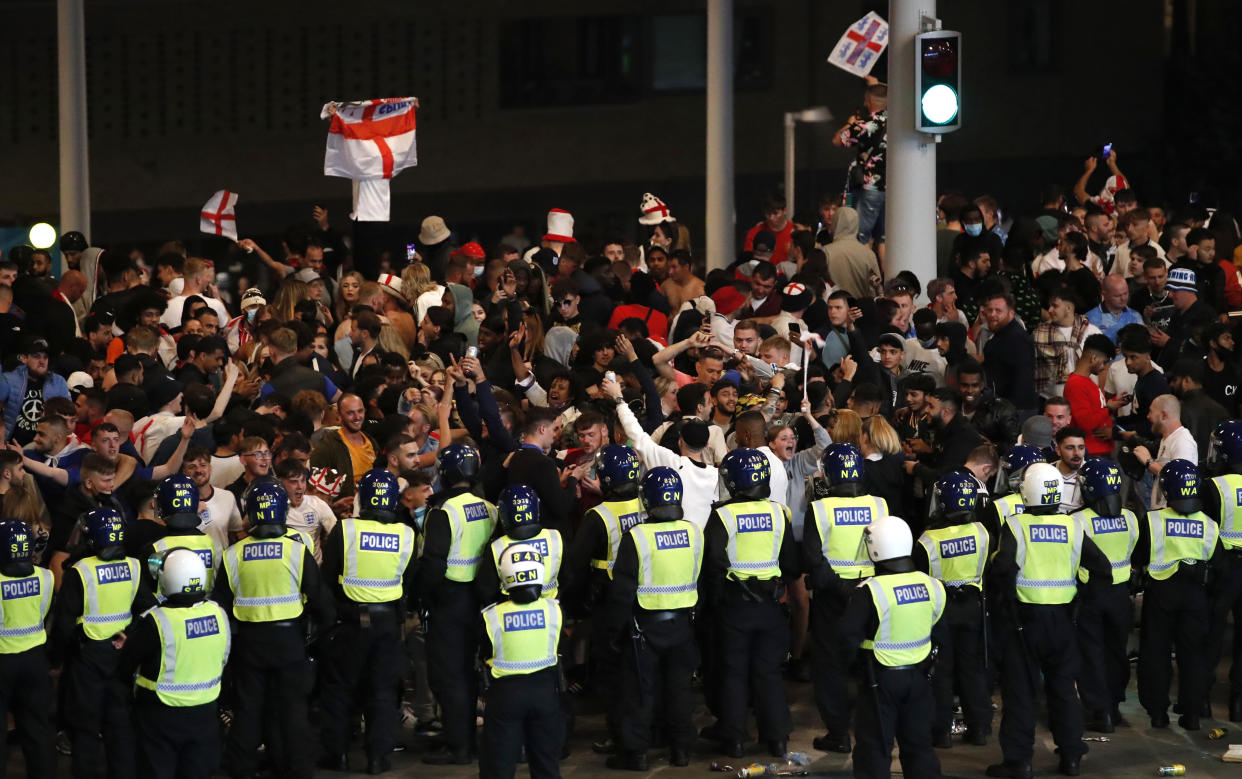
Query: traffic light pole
point(910, 216)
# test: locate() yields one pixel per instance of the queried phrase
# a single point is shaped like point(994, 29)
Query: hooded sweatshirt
point(850, 264)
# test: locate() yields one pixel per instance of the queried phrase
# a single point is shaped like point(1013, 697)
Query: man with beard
point(994, 418)
point(955, 438)
point(1221, 379)
point(724, 403)
point(1071, 448)
point(24, 390)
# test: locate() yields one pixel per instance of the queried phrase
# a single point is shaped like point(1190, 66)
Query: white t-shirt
point(778, 484)
point(1179, 445)
point(172, 315)
point(315, 519)
point(219, 515)
point(1071, 492)
point(225, 470)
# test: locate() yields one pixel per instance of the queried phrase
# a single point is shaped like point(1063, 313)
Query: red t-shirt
point(783, 239)
point(1087, 410)
point(657, 323)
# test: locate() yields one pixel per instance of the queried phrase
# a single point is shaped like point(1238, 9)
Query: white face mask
point(478, 270)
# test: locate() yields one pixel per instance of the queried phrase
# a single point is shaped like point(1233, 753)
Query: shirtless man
point(682, 284)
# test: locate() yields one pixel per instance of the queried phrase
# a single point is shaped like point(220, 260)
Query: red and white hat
point(560, 226)
point(654, 210)
point(392, 285)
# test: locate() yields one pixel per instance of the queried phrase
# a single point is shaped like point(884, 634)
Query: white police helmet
point(887, 538)
point(521, 565)
point(182, 571)
point(1041, 486)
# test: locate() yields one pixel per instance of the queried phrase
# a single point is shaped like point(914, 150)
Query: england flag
point(218, 215)
point(370, 141)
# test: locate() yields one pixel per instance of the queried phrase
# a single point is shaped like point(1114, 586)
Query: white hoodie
point(699, 483)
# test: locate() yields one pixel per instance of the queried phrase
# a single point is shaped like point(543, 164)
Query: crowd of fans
point(1083, 325)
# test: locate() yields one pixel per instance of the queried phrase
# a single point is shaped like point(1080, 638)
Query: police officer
point(750, 552)
point(25, 685)
point(523, 699)
point(1009, 485)
point(1179, 546)
point(176, 504)
point(1105, 613)
point(268, 577)
point(98, 597)
point(458, 529)
point(653, 595)
point(588, 570)
point(955, 550)
point(1034, 580)
point(178, 650)
point(892, 617)
point(366, 564)
point(1222, 501)
point(520, 513)
point(835, 562)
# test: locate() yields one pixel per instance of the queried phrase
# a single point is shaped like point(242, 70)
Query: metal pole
point(910, 215)
point(75, 180)
point(791, 162)
point(719, 217)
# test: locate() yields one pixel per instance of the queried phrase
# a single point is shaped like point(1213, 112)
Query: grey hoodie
point(850, 264)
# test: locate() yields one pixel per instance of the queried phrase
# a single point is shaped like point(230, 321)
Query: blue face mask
point(420, 514)
point(975, 230)
point(250, 314)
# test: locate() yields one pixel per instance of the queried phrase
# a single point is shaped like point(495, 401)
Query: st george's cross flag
point(370, 141)
point(218, 215)
point(861, 45)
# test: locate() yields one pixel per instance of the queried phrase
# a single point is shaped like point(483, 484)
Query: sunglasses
point(565, 303)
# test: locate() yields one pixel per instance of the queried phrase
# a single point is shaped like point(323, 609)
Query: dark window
point(1031, 38)
point(566, 61)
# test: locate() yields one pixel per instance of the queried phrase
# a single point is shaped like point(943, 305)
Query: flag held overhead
point(861, 45)
point(370, 141)
point(218, 217)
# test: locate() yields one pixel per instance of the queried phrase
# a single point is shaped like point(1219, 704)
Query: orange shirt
point(362, 457)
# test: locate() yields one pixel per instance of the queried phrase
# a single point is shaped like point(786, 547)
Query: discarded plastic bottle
point(754, 769)
point(1216, 733)
point(798, 758)
point(1102, 739)
point(1177, 769)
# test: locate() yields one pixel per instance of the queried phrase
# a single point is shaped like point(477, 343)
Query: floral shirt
point(870, 135)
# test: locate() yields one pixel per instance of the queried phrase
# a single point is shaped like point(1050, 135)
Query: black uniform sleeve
point(559, 501)
point(145, 599)
point(919, 556)
point(624, 587)
point(434, 562)
point(791, 566)
point(222, 592)
point(859, 621)
point(319, 604)
point(68, 606)
point(333, 564)
point(487, 579)
point(142, 645)
point(1209, 496)
point(1141, 556)
point(715, 557)
point(575, 578)
point(1003, 575)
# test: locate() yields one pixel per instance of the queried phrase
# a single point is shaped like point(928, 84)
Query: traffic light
point(938, 81)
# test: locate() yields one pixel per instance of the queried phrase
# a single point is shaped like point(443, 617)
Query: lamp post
point(818, 114)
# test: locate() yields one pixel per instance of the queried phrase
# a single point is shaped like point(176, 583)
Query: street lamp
point(818, 114)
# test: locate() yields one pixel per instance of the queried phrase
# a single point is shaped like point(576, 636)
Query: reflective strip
point(189, 687)
point(935, 564)
point(90, 586)
point(1117, 566)
point(524, 665)
point(17, 632)
point(666, 589)
point(730, 516)
point(350, 575)
point(897, 646)
point(853, 565)
point(358, 581)
point(495, 630)
point(96, 619)
point(958, 582)
point(167, 634)
point(271, 600)
point(1227, 486)
point(1045, 583)
point(296, 558)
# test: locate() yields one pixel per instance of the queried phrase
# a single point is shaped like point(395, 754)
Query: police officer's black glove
point(1136, 582)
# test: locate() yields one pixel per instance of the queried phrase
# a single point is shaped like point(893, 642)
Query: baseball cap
point(79, 380)
point(1182, 279)
point(33, 344)
point(764, 242)
point(472, 250)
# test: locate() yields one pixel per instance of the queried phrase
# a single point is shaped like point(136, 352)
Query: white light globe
point(42, 235)
point(940, 104)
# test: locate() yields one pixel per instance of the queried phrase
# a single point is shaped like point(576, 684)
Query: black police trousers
point(452, 645)
point(960, 662)
point(899, 706)
point(1105, 616)
point(97, 713)
point(1175, 614)
point(1226, 599)
point(658, 666)
point(177, 741)
point(753, 640)
point(829, 671)
point(1039, 639)
point(523, 709)
point(26, 693)
point(604, 664)
point(365, 665)
point(272, 678)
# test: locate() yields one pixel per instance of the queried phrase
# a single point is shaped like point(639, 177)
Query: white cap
point(79, 380)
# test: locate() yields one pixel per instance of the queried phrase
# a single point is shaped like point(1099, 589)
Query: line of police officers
point(910, 621)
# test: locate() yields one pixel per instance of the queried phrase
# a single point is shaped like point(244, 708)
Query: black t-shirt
point(1222, 386)
point(30, 413)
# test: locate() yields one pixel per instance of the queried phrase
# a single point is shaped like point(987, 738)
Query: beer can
point(1177, 769)
point(472, 351)
point(610, 376)
point(1216, 733)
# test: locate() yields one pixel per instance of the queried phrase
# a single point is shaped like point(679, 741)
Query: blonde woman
point(288, 295)
point(846, 427)
point(417, 286)
point(882, 469)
